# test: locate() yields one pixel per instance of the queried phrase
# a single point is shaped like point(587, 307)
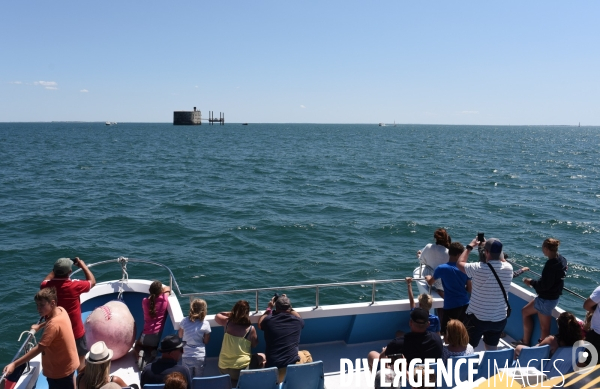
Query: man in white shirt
point(486, 314)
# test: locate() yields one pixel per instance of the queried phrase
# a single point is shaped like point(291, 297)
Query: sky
point(427, 62)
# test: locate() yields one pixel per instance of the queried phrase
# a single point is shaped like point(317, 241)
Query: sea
point(275, 205)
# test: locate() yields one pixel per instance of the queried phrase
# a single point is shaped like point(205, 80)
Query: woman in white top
point(195, 331)
point(434, 255)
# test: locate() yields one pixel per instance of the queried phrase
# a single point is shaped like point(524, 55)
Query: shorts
point(234, 374)
point(82, 347)
point(491, 330)
point(67, 382)
point(304, 356)
point(150, 340)
point(545, 307)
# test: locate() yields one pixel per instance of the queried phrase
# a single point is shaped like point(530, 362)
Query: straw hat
point(98, 353)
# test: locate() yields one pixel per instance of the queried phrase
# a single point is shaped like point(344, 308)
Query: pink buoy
point(113, 324)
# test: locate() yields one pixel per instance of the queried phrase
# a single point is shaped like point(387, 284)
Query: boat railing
point(256, 291)
point(123, 261)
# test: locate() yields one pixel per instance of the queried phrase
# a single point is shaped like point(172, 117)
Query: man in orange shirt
point(59, 352)
point(67, 293)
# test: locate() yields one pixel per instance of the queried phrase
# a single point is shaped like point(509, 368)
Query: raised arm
point(411, 298)
point(464, 257)
point(86, 270)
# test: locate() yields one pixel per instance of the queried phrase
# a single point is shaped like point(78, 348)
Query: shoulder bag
point(508, 310)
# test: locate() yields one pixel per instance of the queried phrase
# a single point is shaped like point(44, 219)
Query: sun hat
point(62, 267)
point(283, 303)
point(494, 247)
point(419, 316)
point(98, 353)
point(170, 343)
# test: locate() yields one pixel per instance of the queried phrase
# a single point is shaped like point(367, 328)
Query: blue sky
point(450, 62)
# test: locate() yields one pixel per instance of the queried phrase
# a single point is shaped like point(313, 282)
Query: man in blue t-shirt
point(282, 329)
point(457, 286)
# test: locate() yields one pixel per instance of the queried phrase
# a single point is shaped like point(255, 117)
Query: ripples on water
point(232, 207)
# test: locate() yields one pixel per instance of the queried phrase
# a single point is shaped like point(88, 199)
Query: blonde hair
point(96, 375)
point(198, 310)
point(425, 301)
point(551, 244)
point(456, 334)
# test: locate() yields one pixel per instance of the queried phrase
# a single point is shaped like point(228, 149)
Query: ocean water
point(266, 205)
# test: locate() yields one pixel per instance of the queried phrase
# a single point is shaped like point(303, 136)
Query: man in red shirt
point(68, 292)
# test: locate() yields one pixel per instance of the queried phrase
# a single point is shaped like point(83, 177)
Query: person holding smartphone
point(68, 292)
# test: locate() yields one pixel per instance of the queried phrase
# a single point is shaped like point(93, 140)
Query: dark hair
point(441, 237)
point(551, 244)
point(155, 291)
point(455, 249)
point(569, 330)
point(240, 313)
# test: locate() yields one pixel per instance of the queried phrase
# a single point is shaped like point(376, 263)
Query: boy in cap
point(156, 372)
point(68, 292)
point(425, 302)
point(57, 345)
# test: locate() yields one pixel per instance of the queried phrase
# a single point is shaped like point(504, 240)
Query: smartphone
point(480, 237)
point(75, 260)
point(275, 297)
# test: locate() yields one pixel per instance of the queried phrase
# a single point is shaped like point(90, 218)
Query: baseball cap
point(419, 316)
point(283, 303)
point(494, 247)
point(62, 267)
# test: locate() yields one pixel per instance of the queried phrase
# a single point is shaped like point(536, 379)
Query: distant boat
point(244, 124)
point(110, 123)
point(381, 124)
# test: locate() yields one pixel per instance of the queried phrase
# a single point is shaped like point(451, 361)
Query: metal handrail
point(317, 287)
point(256, 291)
point(539, 275)
point(173, 283)
point(24, 346)
point(172, 280)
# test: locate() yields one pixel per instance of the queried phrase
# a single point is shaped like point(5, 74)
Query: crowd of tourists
point(476, 303)
point(64, 349)
point(475, 307)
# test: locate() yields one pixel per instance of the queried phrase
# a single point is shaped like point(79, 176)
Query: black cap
point(419, 316)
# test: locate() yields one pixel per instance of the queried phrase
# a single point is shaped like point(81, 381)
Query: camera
point(75, 260)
